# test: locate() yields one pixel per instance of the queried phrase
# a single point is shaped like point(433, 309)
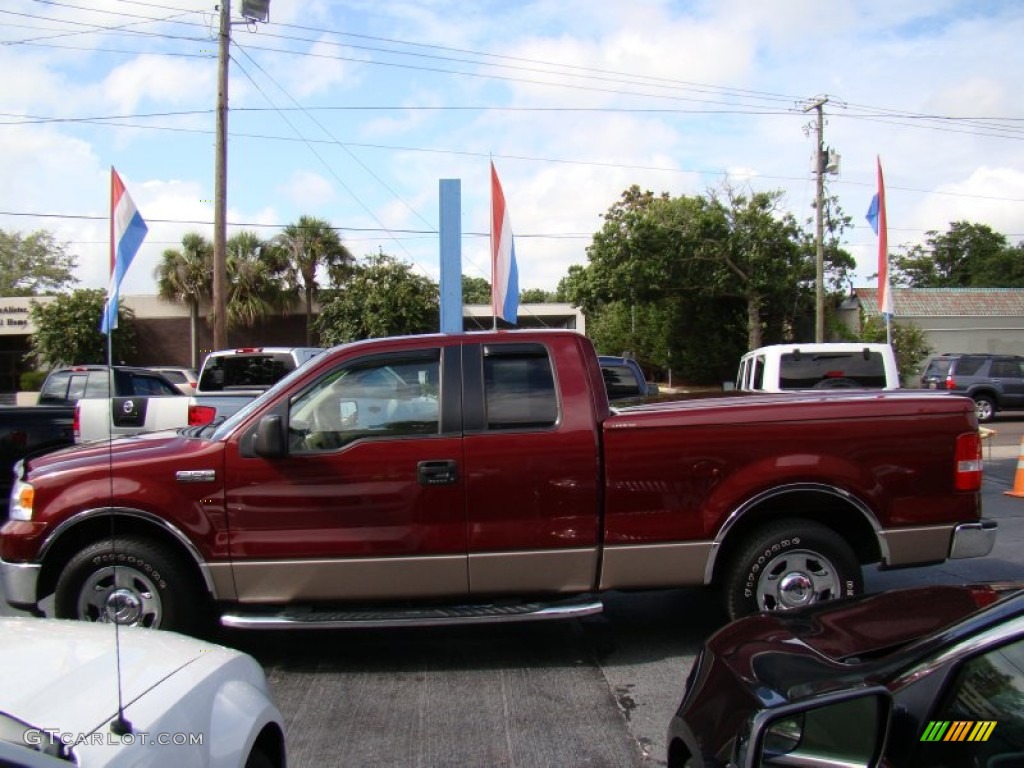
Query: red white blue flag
point(504, 274)
point(127, 231)
point(876, 217)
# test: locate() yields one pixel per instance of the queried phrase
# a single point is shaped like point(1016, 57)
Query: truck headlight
point(22, 498)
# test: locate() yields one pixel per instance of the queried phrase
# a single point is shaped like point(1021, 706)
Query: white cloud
point(307, 189)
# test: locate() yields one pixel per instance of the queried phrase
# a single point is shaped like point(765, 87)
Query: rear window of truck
point(519, 387)
point(258, 371)
point(832, 369)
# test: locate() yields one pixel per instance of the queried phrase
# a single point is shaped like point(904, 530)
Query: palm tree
point(310, 244)
point(186, 277)
point(256, 276)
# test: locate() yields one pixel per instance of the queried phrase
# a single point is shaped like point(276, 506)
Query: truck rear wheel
point(788, 565)
point(132, 581)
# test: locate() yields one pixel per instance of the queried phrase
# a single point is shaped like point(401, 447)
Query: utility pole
point(252, 11)
point(220, 195)
point(819, 210)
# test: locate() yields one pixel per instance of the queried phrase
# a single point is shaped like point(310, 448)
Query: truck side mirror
point(269, 441)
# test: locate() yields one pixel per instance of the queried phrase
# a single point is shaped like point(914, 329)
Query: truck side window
point(387, 396)
point(519, 389)
point(90, 384)
point(56, 386)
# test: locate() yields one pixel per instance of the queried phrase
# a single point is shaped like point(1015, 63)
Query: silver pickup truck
point(231, 378)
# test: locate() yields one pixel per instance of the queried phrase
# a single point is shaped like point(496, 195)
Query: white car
point(186, 702)
point(185, 379)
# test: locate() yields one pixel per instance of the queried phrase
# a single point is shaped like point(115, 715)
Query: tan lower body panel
point(655, 565)
point(543, 570)
point(282, 581)
point(910, 546)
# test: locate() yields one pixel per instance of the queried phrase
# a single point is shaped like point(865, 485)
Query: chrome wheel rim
point(796, 578)
point(123, 595)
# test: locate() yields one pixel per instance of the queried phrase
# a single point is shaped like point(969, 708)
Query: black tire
point(789, 564)
point(985, 407)
point(259, 759)
point(155, 589)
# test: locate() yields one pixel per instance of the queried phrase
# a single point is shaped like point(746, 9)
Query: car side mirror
point(847, 728)
point(269, 440)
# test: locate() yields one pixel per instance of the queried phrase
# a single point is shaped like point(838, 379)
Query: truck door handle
point(437, 472)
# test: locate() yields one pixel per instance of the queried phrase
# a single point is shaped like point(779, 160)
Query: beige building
point(163, 330)
point(953, 319)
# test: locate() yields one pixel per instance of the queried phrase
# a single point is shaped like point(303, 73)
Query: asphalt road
point(591, 692)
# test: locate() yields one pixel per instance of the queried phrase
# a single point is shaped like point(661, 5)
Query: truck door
point(369, 502)
point(531, 461)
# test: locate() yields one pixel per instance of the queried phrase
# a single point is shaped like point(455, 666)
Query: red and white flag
point(504, 274)
point(127, 231)
point(876, 217)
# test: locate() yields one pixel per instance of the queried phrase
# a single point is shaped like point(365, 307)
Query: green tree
point(535, 296)
point(967, 255)
point(383, 297)
point(256, 275)
point(34, 264)
point(185, 276)
point(311, 244)
point(68, 330)
point(475, 290)
point(909, 344)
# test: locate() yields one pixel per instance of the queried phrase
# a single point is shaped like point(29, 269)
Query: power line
point(980, 124)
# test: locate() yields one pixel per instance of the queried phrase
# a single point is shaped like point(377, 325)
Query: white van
point(832, 365)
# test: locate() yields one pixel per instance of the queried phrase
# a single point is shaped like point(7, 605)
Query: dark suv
point(64, 386)
point(995, 382)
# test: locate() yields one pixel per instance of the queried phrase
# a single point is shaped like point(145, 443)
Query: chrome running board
point(305, 618)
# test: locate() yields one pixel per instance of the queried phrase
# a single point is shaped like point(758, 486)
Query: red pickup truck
point(484, 477)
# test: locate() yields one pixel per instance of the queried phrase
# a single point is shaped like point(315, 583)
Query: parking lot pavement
point(514, 695)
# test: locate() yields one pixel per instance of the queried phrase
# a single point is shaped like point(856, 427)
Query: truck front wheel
point(131, 581)
point(788, 565)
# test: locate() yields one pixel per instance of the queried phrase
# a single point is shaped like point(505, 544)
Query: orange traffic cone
point(1018, 480)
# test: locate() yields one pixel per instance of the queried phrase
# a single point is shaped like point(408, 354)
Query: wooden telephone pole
point(819, 220)
point(252, 11)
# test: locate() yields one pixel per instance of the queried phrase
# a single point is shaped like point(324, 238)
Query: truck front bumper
point(973, 539)
point(19, 582)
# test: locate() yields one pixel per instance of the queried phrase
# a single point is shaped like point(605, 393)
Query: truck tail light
point(950, 384)
point(198, 415)
point(967, 476)
point(76, 425)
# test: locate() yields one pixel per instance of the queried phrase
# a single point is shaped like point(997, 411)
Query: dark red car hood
point(791, 654)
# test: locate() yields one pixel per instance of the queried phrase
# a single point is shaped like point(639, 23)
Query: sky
point(354, 112)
